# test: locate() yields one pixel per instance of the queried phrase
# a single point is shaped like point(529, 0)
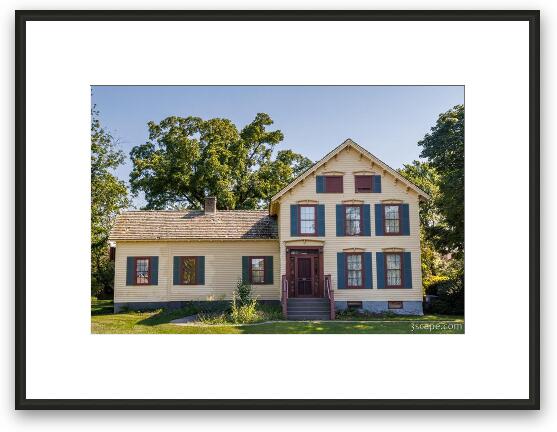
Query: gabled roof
point(349, 143)
point(194, 225)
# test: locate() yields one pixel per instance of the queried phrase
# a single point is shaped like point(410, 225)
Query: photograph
point(242, 209)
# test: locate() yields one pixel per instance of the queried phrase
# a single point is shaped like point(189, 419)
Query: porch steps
point(300, 309)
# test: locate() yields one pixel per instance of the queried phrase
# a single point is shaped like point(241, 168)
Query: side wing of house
point(152, 274)
point(165, 258)
point(358, 222)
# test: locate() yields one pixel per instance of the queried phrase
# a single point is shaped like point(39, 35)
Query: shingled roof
point(194, 224)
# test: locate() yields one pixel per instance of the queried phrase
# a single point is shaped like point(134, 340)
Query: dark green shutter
point(367, 220)
point(130, 271)
point(407, 263)
point(340, 220)
point(405, 219)
point(155, 270)
point(321, 220)
point(380, 269)
point(340, 271)
point(367, 270)
point(377, 184)
point(379, 219)
point(245, 269)
point(319, 184)
point(200, 270)
point(293, 220)
point(268, 269)
point(176, 271)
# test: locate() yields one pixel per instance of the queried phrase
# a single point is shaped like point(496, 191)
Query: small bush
point(244, 313)
point(450, 300)
point(243, 293)
point(214, 319)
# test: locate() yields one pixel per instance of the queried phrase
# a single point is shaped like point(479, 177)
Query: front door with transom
point(304, 272)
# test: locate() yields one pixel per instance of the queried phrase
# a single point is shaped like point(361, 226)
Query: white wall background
point(60, 421)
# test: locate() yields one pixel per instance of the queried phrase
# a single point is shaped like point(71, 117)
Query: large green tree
point(423, 175)
point(108, 196)
point(187, 158)
point(443, 147)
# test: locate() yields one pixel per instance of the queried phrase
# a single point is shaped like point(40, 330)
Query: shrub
point(243, 293)
point(450, 300)
point(244, 313)
point(213, 319)
point(432, 282)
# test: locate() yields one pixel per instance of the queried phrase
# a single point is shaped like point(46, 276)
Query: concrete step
point(313, 317)
point(308, 310)
point(308, 301)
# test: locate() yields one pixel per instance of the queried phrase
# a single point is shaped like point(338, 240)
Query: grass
point(158, 322)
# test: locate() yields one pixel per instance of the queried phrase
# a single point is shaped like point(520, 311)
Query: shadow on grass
point(102, 307)
point(164, 316)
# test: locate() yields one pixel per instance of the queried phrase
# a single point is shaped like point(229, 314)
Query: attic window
point(333, 184)
point(363, 183)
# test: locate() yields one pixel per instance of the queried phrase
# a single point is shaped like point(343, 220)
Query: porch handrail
point(284, 296)
point(330, 294)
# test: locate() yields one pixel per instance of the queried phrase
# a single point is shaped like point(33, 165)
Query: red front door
point(304, 276)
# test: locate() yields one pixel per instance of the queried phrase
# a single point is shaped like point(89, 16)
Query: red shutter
point(333, 184)
point(363, 183)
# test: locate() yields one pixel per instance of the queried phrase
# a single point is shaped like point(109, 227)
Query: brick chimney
point(210, 205)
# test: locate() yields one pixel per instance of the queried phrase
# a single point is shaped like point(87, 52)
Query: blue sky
point(387, 120)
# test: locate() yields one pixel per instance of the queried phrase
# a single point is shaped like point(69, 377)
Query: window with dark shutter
point(307, 219)
point(354, 270)
point(393, 270)
point(391, 213)
point(257, 270)
point(189, 273)
point(333, 184)
point(142, 270)
point(352, 220)
point(363, 183)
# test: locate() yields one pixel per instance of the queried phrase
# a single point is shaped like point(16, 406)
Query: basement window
point(354, 305)
point(395, 305)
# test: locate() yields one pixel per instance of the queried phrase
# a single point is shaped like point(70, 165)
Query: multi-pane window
point(257, 270)
point(353, 216)
point(392, 218)
point(189, 273)
point(394, 269)
point(354, 272)
point(363, 183)
point(308, 217)
point(142, 271)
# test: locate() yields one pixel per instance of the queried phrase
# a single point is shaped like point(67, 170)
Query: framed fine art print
point(277, 210)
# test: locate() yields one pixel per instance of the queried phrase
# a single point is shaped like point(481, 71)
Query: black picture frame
point(531, 16)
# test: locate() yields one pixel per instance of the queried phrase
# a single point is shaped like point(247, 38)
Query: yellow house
point(344, 234)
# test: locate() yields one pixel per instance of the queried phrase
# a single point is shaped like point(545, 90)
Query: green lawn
point(104, 321)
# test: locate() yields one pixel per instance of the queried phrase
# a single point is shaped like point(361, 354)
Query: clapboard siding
point(223, 268)
point(349, 162)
